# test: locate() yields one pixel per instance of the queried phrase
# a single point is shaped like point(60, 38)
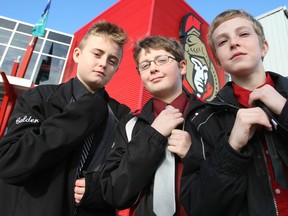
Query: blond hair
point(228, 15)
point(107, 30)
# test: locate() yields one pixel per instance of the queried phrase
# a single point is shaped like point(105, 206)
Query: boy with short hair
point(129, 176)
point(48, 164)
point(240, 144)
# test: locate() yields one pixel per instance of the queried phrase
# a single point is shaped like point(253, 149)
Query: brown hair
point(170, 45)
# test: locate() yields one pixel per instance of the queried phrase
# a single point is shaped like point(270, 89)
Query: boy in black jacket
point(160, 129)
point(58, 136)
point(240, 152)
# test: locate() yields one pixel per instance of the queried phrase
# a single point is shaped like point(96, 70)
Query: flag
point(39, 28)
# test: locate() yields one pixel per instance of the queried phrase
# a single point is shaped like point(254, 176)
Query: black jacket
point(40, 153)
point(217, 180)
point(130, 167)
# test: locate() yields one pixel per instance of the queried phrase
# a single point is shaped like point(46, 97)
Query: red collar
point(242, 94)
point(180, 103)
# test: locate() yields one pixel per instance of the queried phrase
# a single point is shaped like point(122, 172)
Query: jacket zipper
point(270, 183)
point(269, 178)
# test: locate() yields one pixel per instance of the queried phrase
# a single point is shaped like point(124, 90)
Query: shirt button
point(267, 153)
point(277, 191)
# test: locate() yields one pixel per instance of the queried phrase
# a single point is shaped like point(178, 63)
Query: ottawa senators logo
point(201, 76)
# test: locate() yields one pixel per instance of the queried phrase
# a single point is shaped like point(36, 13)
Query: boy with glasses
point(144, 139)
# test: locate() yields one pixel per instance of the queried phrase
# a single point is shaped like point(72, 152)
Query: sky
point(69, 16)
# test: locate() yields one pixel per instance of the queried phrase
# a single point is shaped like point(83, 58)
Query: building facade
point(21, 71)
point(49, 56)
point(52, 58)
point(275, 24)
point(157, 17)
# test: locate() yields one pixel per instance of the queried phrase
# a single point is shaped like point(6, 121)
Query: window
point(2, 49)
point(4, 36)
point(9, 59)
point(24, 28)
point(56, 49)
point(49, 70)
point(31, 66)
point(58, 37)
point(38, 45)
point(49, 55)
point(20, 40)
point(7, 23)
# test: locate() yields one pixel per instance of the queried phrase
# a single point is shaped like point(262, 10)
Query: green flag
point(39, 28)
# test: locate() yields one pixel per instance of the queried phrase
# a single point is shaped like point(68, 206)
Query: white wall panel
point(275, 24)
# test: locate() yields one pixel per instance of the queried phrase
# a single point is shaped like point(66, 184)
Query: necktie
point(84, 154)
point(164, 187)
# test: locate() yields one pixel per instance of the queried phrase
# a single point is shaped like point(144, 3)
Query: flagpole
point(27, 56)
point(15, 66)
point(37, 31)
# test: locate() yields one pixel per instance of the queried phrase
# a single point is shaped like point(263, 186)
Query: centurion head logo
point(201, 75)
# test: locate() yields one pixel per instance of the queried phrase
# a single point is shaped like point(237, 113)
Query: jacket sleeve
point(283, 119)
point(214, 176)
point(93, 198)
point(130, 167)
point(35, 141)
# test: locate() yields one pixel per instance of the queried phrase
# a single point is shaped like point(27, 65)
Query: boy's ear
point(182, 66)
point(76, 54)
point(265, 48)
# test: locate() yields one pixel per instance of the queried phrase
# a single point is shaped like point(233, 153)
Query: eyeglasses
point(159, 61)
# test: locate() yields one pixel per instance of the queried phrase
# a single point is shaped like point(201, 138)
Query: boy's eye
point(243, 34)
point(144, 65)
point(113, 61)
point(221, 42)
point(161, 60)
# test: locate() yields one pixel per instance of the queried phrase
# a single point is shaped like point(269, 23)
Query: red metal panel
point(140, 18)
point(7, 105)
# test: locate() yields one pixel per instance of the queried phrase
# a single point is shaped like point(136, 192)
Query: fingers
point(167, 120)
point(79, 189)
point(80, 182)
point(78, 197)
point(270, 97)
point(252, 116)
point(179, 142)
point(246, 122)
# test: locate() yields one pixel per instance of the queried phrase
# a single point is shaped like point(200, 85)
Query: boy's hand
point(245, 125)
point(270, 97)
point(179, 142)
point(167, 120)
point(79, 189)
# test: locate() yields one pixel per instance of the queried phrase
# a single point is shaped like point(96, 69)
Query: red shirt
point(280, 194)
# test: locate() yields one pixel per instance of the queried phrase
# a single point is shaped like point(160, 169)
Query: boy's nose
point(153, 67)
point(234, 42)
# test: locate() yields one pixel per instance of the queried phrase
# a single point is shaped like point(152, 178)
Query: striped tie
point(85, 152)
